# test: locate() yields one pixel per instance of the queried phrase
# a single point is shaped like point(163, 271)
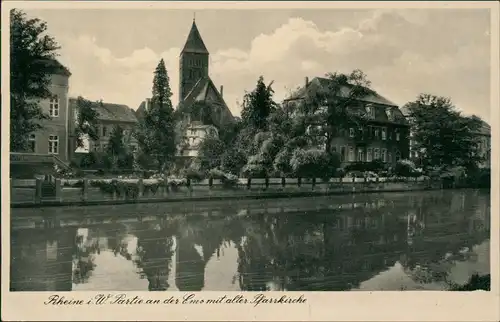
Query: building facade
point(383, 135)
point(52, 139)
point(109, 116)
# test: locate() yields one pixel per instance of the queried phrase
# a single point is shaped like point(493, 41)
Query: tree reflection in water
point(333, 248)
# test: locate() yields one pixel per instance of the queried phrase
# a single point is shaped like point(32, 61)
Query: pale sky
point(112, 53)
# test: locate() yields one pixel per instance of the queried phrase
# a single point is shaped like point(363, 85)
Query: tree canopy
point(32, 54)
point(156, 134)
point(442, 135)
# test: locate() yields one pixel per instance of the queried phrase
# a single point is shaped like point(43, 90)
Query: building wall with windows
point(109, 116)
point(196, 132)
point(53, 137)
point(383, 134)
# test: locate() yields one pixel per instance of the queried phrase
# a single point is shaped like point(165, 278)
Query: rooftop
point(112, 112)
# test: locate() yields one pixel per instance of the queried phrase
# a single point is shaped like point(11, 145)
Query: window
point(351, 154)
point(53, 144)
point(31, 143)
point(360, 155)
point(376, 154)
point(369, 155)
point(390, 114)
point(397, 135)
point(54, 106)
point(342, 153)
point(384, 155)
point(389, 157)
point(370, 110)
point(75, 112)
point(104, 131)
point(384, 133)
point(376, 132)
point(351, 132)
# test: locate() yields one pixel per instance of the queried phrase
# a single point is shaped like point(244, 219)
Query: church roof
point(194, 43)
point(205, 91)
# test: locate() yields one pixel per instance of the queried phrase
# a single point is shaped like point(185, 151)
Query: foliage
point(335, 107)
point(406, 168)
point(210, 152)
point(313, 163)
point(86, 122)
point(258, 105)
point(233, 160)
point(156, 134)
point(193, 174)
point(32, 54)
point(282, 162)
point(441, 134)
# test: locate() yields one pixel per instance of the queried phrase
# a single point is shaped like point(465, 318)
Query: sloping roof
point(56, 66)
point(112, 112)
point(203, 91)
point(374, 97)
point(381, 114)
point(194, 43)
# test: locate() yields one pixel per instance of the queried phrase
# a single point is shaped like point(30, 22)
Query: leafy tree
point(334, 108)
point(210, 151)
point(86, 122)
point(116, 149)
point(442, 136)
point(313, 163)
point(157, 133)
point(258, 105)
point(32, 54)
point(233, 160)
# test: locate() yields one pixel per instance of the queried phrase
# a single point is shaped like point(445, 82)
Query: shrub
point(254, 170)
point(313, 163)
point(282, 162)
point(233, 160)
point(405, 168)
point(227, 179)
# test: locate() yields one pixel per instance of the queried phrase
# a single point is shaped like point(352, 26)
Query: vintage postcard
point(250, 161)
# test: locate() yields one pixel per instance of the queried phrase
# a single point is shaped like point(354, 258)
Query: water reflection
point(406, 241)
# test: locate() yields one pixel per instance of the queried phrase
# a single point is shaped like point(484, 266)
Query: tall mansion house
point(382, 136)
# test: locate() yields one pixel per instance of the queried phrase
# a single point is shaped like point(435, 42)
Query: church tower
point(193, 62)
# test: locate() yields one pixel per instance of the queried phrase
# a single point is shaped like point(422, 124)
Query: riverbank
point(87, 193)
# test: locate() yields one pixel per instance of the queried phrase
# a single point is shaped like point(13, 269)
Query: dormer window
point(390, 114)
point(370, 110)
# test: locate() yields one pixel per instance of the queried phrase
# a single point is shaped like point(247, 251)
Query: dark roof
point(205, 91)
point(372, 98)
point(194, 43)
point(112, 112)
point(57, 67)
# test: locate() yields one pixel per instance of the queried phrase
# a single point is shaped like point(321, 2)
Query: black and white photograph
point(249, 150)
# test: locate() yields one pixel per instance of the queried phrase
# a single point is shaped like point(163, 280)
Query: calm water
point(393, 241)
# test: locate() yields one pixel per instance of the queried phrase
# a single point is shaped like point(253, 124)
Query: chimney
point(222, 91)
point(307, 81)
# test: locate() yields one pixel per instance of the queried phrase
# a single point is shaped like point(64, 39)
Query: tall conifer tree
point(157, 133)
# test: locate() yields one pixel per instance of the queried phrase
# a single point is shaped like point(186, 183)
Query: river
point(370, 242)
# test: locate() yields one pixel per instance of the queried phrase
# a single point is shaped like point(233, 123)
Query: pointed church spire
point(194, 43)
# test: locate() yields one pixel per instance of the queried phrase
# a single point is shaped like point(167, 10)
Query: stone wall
point(68, 191)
